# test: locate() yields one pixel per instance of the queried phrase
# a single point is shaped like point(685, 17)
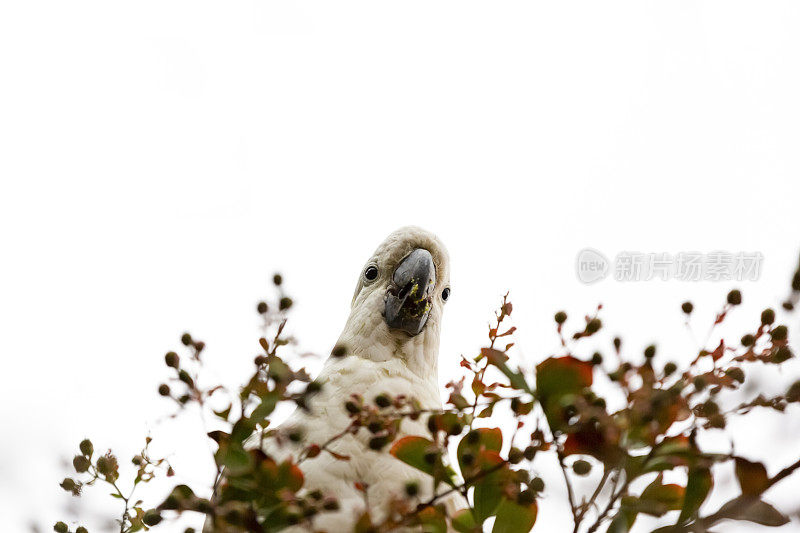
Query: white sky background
point(160, 160)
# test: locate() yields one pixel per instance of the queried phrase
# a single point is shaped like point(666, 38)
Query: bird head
point(400, 297)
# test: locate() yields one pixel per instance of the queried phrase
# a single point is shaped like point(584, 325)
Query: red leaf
point(753, 478)
point(719, 351)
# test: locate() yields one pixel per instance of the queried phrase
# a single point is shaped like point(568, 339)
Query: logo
point(591, 266)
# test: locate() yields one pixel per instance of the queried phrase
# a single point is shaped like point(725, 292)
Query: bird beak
point(408, 299)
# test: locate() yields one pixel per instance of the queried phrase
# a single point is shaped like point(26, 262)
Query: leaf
point(487, 411)
point(759, 512)
point(464, 522)
point(622, 522)
point(412, 450)
point(753, 478)
point(290, 475)
point(433, 520)
point(474, 442)
point(657, 498)
point(515, 518)
point(557, 379)
point(267, 405)
point(489, 488)
point(224, 413)
point(599, 441)
point(364, 524)
point(697, 488)
point(499, 359)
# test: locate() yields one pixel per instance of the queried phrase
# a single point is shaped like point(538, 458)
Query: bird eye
point(446, 293)
point(371, 273)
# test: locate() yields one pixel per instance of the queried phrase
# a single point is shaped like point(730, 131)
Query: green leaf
point(471, 445)
point(266, 407)
point(464, 522)
point(557, 380)
point(514, 518)
point(622, 522)
point(412, 450)
point(432, 520)
point(697, 488)
point(224, 413)
point(489, 488)
point(658, 498)
point(498, 359)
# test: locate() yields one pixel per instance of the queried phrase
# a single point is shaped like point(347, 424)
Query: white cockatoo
point(391, 345)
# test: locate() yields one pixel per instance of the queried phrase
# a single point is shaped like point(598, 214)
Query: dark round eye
point(446, 293)
point(371, 273)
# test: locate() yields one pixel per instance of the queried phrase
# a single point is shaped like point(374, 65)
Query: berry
point(779, 334)
point(172, 360)
point(382, 401)
point(735, 297)
point(151, 518)
point(581, 467)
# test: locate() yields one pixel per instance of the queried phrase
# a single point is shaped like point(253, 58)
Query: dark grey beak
point(408, 300)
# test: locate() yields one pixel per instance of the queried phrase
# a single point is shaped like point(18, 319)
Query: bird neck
point(375, 342)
